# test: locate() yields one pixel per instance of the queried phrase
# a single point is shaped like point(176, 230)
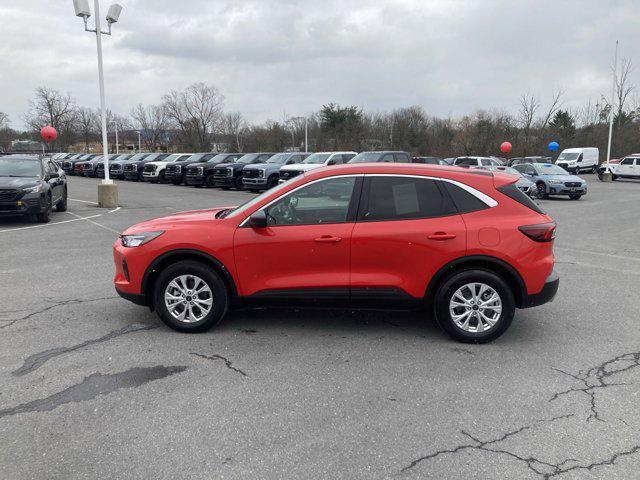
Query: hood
point(563, 178)
point(199, 164)
point(302, 167)
point(235, 166)
point(18, 182)
point(263, 165)
point(176, 220)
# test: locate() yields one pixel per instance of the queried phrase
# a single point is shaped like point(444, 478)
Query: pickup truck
point(201, 173)
point(229, 175)
point(316, 160)
point(263, 176)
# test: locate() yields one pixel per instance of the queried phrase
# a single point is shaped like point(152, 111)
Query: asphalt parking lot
point(93, 386)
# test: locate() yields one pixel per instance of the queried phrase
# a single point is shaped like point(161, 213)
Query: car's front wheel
point(45, 216)
point(542, 190)
point(474, 306)
point(190, 297)
point(61, 206)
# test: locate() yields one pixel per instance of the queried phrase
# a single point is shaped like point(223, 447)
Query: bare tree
point(235, 125)
point(50, 107)
point(196, 112)
point(624, 87)
point(152, 121)
point(4, 121)
point(556, 103)
point(86, 121)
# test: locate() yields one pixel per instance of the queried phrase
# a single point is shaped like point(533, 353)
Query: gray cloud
point(451, 57)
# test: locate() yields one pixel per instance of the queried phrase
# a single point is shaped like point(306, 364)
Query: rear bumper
point(546, 295)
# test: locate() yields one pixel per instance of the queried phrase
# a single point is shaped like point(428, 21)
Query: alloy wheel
point(475, 307)
point(188, 298)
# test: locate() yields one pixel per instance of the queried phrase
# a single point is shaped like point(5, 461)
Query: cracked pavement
point(92, 386)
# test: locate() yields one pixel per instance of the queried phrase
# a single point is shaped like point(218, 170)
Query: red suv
point(467, 243)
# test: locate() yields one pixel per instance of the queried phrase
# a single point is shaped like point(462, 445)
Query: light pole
point(613, 95)
point(139, 144)
point(306, 135)
point(115, 125)
point(107, 190)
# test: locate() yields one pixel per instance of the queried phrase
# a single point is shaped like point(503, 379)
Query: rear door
point(626, 167)
point(407, 229)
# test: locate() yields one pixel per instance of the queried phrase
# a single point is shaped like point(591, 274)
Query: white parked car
point(576, 160)
point(629, 167)
point(316, 160)
point(476, 162)
point(154, 171)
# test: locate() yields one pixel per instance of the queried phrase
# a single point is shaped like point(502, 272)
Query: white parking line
point(115, 209)
point(83, 201)
point(602, 254)
point(95, 223)
point(50, 224)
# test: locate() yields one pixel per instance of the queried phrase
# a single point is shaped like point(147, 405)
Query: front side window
point(627, 161)
point(388, 157)
point(323, 202)
point(402, 198)
point(402, 158)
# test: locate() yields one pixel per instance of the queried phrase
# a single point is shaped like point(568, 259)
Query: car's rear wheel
point(542, 190)
point(44, 217)
point(61, 206)
point(190, 297)
point(474, 306)
point(272, 182)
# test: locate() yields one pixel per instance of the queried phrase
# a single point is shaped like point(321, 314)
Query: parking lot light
point(107, 190)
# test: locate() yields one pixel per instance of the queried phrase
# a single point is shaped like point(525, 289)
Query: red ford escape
point(468, 244)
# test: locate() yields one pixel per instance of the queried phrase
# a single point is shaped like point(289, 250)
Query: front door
point(304, 251)
point(407, 230)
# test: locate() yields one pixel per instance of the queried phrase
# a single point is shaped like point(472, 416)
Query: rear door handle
point(441, 236)
point(328, 239)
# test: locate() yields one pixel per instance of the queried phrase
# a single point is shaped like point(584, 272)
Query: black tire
point(239, 185)
point(140, 176)
point(61, 206)
point(272, 181)
point(225, 188)
point(45, 216)
point(594, 169)
point(161, 177)
point(575, 197)
point(542, 193)
point(210, 181)
point(614, 177)
point(212, 279)
point(452, 284)
point(176, 181)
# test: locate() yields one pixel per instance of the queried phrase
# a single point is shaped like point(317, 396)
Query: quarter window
point(402, 198)
point(322, 202)
point(464, 201)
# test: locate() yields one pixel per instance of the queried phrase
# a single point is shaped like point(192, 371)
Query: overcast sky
point(273, 56)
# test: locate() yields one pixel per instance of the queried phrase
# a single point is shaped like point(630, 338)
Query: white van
point(576, 160)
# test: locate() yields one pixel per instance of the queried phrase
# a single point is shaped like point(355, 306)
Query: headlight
point(35, 189)
point(137, 239)
point(555, 182)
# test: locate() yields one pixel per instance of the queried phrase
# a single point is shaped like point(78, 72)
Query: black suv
point(177, 171)
point(201, 173)
point(31, 185)
point(230, 175)
point(133, 168)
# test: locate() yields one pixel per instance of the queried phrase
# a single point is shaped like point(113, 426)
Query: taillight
point(541, 232)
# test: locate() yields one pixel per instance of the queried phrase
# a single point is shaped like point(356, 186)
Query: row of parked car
point(263, 170)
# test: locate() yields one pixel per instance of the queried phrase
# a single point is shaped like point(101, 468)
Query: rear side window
point(388, 157)
point(464, 201)
point(514, 193)
point(402, 158)
point(402, 198)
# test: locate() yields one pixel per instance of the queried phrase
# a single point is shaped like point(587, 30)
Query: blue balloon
point(553, 146)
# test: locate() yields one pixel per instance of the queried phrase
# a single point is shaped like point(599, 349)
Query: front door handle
point(441, 236)
point(328, 239)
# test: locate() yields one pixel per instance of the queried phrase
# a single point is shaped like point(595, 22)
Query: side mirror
point(258, 219)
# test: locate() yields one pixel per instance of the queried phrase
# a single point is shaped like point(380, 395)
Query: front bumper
point(150, 176)
point(225, 181)
point(194, 180)
point(546, 295)
point(30, 204)
point(258, 183)
point(131, 175)
point(564, 190)
point(88, 172)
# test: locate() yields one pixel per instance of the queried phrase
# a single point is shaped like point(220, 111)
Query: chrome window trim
point(484, 198)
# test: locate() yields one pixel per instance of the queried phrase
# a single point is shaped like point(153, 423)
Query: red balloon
point(48, 133)
point(505, 147)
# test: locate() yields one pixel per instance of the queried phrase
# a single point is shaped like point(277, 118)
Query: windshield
point(248, 158)
point(317, 158)
point(550, 169)
point(20, 167)
point(247, 205)
point(172, 158)
point(568, 156)
point(366, 157)
point(279, 158)
point(137, 156)
point(219, 158)
point(196, 157)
